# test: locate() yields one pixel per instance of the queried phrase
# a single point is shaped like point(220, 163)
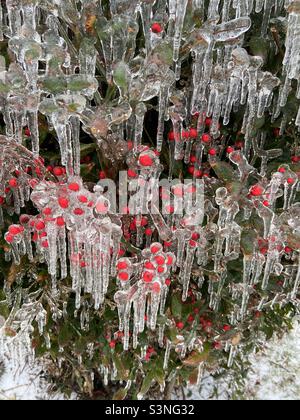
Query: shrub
point(149, 184)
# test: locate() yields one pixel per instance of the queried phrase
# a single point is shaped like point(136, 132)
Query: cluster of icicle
point(225, 76)
point(71, 220)
point(18, 170)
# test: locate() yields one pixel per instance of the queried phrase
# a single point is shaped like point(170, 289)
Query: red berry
point(13, 183)
point(147, 276)
point(195, 236)
point(178, 191)
point(291, 181)
point(208, 122)
point(121, 252)
point(148, 232)
point(144, 221)
point(230, 150)
point(288, 250)
point(191, 189)
point(180, 325)
point(40, 225)
point(27, 132)
point(156, 287)
point(155, 248)
point(83, 199)
point(132, 227)
point(15, 229)
point(9, 238)
point(78, 212)
point(266, 203)
point(58, 171)
point(264, 251)
point(191, 169)
point(63, 202)
point(226, 328)
point(156, 28)
point(45, 244)
point(190, 318)
point(24, 219)
point(171, 136)
point(198, 173)
point(256, 191)
point(168, 282)
point(102, 175)
point(112, 344)
point(282, 170)
point(60, 221)
point(185, 134)
point(217, 345)
point(149, 265)
point(193, 133)
point(206, 138)
point(159, 260)
point(169, 260)
point(131, 173)
point(74, 187)
point(101, 208)
point(123, 276)
point(170, 209)
point(47, 211)
point(2, 200)
point(212, 152)
point(122, 265)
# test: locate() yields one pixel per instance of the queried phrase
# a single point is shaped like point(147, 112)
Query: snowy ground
point(275, 375)
point(21, 377)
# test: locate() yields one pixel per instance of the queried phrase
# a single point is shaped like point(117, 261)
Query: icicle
point(139, 124)
point(167, 354)
point(296, 282)
point(179, 21)
point(185, 274)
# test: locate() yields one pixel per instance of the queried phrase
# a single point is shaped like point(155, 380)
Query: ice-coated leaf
point(232, 29)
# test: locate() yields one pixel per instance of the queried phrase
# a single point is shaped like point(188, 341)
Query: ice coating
point(76, 233)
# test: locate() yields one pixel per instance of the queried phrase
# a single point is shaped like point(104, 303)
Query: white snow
point(276, 373)
point(23, 376)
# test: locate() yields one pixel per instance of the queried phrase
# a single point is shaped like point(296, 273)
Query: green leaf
point(196, 357)
point(248, 241)
point(159, 374)
point(120, 395)
point(122, 76)
point(53, 85)
point(147, 382)
point(224, 171)
point(123, 371)
point(65, 335)
point(77, 83)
